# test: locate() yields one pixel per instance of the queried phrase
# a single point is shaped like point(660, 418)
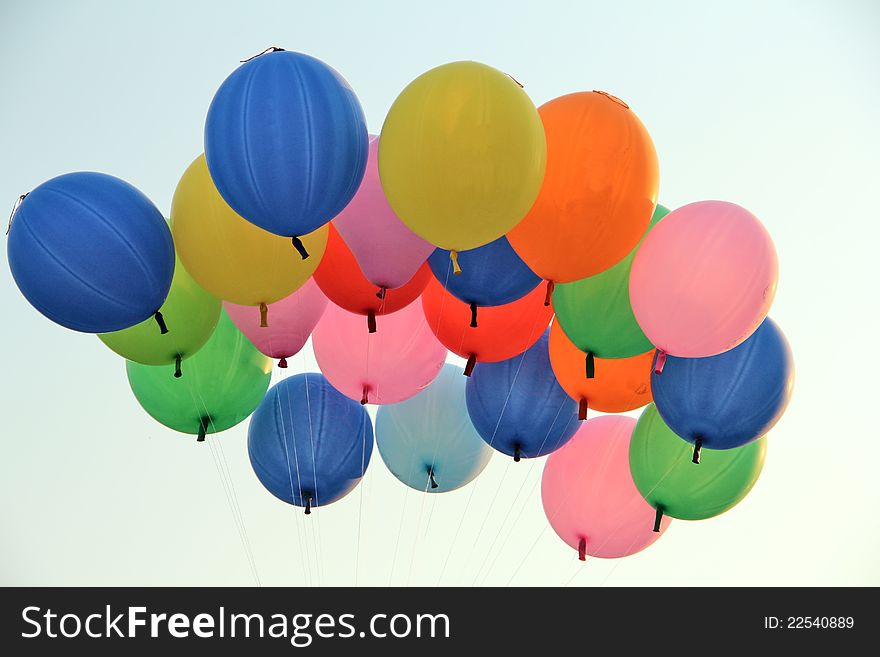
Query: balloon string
point(658, 517)
point(549, 296)
point(659, 361)
point(698, 446)
point(264, 315)
point(473, 315)
point(203, 428)
point(163, 329)
point(267, 50)
point(15, 207)
point(371, 321)
point(582, 549)
point(519, 84)
point(590, 365)
point(453, 255)
point(282, 363)
point(300, 247)
point(177, 372)
point(583, 406)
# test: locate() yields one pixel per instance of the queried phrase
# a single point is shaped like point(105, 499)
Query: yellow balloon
point(461, 155)
point(227, 255)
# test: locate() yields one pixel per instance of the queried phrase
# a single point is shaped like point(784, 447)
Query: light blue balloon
point(428, 441)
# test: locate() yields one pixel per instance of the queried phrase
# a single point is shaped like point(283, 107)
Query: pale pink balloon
point(397, 361)
point(703, 279)
point(387, 252)
point(289, 322)
point(589, 495)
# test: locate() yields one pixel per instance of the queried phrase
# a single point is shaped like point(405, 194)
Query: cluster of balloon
point(385, 367)
point(439, 231)
point(518, 406)
point(309, 445)
point(224, 382)
point(428, 442)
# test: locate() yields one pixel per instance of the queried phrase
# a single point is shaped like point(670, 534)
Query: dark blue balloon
point(518, 406)
point(286, 142)
point(491, 275)
point(729, 399)
point(309, 444)
point(91, 252)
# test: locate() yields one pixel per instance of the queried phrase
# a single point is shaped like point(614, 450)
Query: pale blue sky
point(772, 105)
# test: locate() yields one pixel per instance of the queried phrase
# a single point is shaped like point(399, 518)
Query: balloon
point(731, 399)
point(461, 155)
point(340, 278)
point(308, 444)
point(599, 189)
point(286, 143)
point(387, 252)
point(501, 333)
point(91, 253)
point(703, 280)
point(228, 256)
point(224, 382)
point(595, 312)
point(490, 275)
point(618, 384)
point(661, 467)
point(293, 320)
point(518, 407)
point(428, 441)
point(385, 367)
point(589, 496)
point(188, 308)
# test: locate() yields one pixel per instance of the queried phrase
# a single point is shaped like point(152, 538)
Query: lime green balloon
point(223, 384)
point(595, 312)
point(191, 316)
point(664, 472)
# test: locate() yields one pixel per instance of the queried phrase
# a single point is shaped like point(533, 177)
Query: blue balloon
point(428, 441)
point(729, 399)
point(491, 275)
point(518, 406)
point(309, 444)
point(91, 253)
point(286, 142)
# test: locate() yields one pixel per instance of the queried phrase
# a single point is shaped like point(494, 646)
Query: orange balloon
point(342, 281)
point(618, 385)
point(599, 190)
point(501, 332)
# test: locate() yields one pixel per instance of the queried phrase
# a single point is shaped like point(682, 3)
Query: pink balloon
point(703, 279)
point(290, 321)
point(388, 253)
point(589, 496)
point(401, 358)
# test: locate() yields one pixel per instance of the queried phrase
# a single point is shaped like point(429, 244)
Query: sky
point(771, 105)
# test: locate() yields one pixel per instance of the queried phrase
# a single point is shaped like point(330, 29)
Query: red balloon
point(501, 332)
point(342, 281)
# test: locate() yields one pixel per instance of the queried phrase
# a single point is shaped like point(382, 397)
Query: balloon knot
point(658, 516)
point(203, 428)
point(469, 367)
point(549, 296)
point(282, 363)
point(15, 207)
point(381, 293)
point(590, 365)
point(365, 397)
point(698, 446)
point(659, 361)
point(371, 321)
point(517, 453)
point(431, 478)
point(264, 315)
point(473, 315)
point(582, 409)
point(453, 255)
point(309, 504)
point(177, 371)
point(582, 549)
point(267, 50)
point(300, 247)
point(163, 329)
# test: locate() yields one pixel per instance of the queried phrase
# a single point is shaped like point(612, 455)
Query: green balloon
point(664, 472)
point(191, 316)
point(595, 312)
point(224, 382)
